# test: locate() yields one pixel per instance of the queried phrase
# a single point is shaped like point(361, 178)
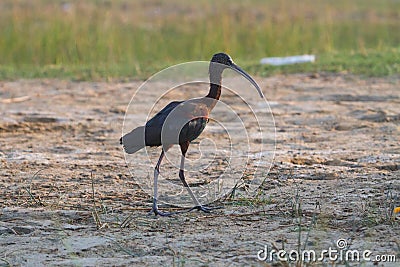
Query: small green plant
point(297, 213)
point(390, 203)
point(95, 213)
point(380, 211)
point(36, 199)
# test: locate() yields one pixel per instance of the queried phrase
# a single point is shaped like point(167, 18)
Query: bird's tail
point(133, 141)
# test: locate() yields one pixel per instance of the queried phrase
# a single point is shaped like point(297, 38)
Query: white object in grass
point(278, 61)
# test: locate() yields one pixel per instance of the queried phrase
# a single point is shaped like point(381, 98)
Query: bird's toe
point(205, 208)
point(156, 212)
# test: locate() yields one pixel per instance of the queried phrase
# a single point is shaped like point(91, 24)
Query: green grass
point(110, 39)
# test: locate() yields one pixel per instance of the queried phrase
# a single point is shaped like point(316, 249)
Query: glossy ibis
point(180, 122)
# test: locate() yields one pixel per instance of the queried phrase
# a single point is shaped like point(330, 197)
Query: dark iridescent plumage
point(181, 122)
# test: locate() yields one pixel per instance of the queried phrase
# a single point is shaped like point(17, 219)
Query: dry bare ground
point(68, 198)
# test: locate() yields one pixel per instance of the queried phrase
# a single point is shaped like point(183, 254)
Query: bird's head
point(221, 61)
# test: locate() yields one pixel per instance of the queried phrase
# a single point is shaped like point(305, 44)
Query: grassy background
point(108, 39)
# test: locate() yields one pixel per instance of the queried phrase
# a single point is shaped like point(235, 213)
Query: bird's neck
point(215, 85)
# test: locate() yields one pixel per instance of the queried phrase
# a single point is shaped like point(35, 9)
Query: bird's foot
point(156, 211)
point(204, 208)
point(161, 213)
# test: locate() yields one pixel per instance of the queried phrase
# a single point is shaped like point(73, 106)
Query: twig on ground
point(15, 99)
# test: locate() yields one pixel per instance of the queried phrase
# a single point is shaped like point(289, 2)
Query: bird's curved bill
point(248, 77)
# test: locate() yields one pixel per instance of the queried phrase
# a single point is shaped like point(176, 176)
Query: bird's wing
point(159, 118)
point(179, 121)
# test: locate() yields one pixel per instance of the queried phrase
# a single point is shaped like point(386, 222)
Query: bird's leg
point(155, 194)
point(198, 206)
